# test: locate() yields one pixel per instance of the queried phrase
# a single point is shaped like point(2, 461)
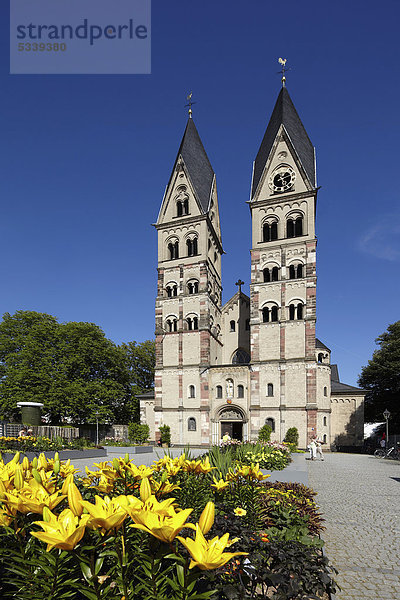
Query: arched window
point(270, 232)
point(240, 391)
point(173, 250)
point(320, 357)
point(265, 313)
point(324, 421)
point(193, 323)
point(229, 388)
point(296, 311)
point(193, 287)
point(219, 391)
point(192, 391)
point(191, 424)
point(172, 290)
point(294, 227)
point(189, 245)
point(271, 423)
point(171, 324)
point(270, 389)
point(325, 393)
point(275, 273)
point(241, 357)
point(299, 311)
point(274, 313)
point(324, 438)
point(186, 206)
point(179, 208)
point(296, 271)
point(271, 274)
point(267, 276)
point(232, 326)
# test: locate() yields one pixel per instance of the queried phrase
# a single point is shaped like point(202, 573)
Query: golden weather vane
point(282, 62)
point(190, 103)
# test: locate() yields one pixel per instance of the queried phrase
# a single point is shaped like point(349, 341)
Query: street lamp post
point(386, 414)
point(97, 427)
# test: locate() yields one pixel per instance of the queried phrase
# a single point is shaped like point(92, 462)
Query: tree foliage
point(71, 367)
point(381, 378)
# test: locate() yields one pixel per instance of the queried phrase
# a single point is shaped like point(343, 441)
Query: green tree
point(71, 367)
point(381, 378)
point(140, 359)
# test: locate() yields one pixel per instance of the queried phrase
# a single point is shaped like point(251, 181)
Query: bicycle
point(393, 452)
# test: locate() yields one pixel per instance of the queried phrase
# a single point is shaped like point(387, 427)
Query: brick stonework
point(311, 424)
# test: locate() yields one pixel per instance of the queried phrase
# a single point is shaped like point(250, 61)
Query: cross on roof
point(239, 283)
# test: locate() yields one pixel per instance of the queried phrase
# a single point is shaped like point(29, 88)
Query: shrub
point(165, 432)
point(292, 436)
point(138, 434)
point(264, 434)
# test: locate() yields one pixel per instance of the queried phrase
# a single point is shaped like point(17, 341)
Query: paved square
point(359, 497)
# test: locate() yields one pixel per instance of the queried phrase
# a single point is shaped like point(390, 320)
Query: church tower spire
point(188, 304)
point(283, 286)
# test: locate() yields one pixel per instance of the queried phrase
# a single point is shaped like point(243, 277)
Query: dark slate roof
point(337, 387)
point(319, 344)
point(196, 160)
point(286, 114)
point(147, 395)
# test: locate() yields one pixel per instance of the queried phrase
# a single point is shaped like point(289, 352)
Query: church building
point(231, 368)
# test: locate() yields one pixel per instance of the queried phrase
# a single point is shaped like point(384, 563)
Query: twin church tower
point(231, 368)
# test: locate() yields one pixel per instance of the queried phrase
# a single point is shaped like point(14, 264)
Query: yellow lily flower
point(64, 531)
point(105, 514)
point(32, 498)
point(208, 555)
point(206, 520)
point(160, 519)
point(220, 485)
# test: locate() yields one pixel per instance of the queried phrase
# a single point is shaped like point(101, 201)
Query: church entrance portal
point(232, 423)
point(233, 429)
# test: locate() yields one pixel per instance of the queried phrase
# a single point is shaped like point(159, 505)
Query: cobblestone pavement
point(359, 497)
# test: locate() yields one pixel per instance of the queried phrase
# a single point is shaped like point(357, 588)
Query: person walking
point(318, 448)
point(313, 448)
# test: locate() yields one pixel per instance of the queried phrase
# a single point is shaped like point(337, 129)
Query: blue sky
point(84, 161)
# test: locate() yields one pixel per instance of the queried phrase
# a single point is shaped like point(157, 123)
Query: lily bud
point(145, 489)
point(16, 458)
point(75, 499)
point(56, 467)
point(206, 520)
point(18, 478)
point(25, 463)
point(164, 477)
point(126, 458)
point(42, 462)
point(34, 463)
point(115, 463)
point(56, 456)
point(46, 514)
point(68, 480)
point(36, 475)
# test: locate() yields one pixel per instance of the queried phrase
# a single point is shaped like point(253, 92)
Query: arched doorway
point(231, 422)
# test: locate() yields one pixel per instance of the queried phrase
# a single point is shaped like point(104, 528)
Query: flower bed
point(272, 456)
point(176, 530)
point(29, 443)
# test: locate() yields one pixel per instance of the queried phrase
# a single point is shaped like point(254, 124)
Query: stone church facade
point(231, 368)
